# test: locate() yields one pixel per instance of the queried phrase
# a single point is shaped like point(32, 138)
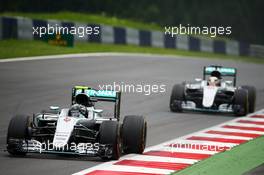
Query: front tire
point(134, 133)
point(177, 97)
point(18, 132)
point(251, 98)
point(109, 135)
point(241, 102)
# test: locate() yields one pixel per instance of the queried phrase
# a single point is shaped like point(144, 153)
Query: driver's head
point(84, 100)
point(216, 74)
point(76, 110)
point(213, 81)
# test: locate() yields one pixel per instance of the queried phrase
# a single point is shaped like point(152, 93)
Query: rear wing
point(224, 71)
point(99, 95)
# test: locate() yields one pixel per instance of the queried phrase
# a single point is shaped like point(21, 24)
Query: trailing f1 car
point(213, 94)
point(81, 129)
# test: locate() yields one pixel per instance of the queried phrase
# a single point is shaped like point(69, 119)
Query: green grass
point(24, 48)
point(236, 161)
point(86, 18)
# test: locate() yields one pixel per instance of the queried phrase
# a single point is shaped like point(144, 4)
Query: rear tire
point(251, 98)
point(134, 133)
point(241, 102)
point(109, 134)
point(176, 98)
point(18, 131)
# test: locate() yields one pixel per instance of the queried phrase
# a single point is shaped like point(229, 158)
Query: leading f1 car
point(216, 92)
point(81, 129)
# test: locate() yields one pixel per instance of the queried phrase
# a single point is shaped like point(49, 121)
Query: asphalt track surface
point(30, 86)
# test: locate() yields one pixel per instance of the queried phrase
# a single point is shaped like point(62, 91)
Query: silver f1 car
point(213, 93)
point(81, 129)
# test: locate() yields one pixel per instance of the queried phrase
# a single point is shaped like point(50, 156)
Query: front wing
point(34, 146)
point(191, 106)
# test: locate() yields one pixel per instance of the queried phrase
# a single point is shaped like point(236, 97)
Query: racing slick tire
point(109, 135)
point(241, 102)
point(176, 98)
point(251, 97)
point(18, 132)
point(134, 132)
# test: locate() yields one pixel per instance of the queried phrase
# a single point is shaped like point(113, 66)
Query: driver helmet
point(77, 110)
point(84, 100)
point(213, 81)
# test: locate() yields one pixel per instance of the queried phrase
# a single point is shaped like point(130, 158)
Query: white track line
point(160, 159)
point(253, 119)
point(244, 125)
point(237, 131)
point(84, 55)
point(221, 136)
